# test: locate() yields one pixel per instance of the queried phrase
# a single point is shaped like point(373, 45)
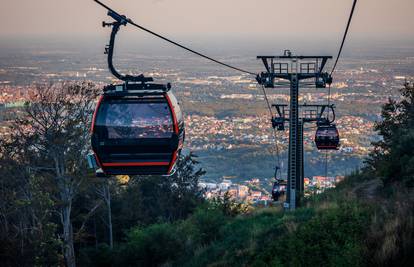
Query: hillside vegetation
point(342, 227)
point(367, 220)
point(55, 212)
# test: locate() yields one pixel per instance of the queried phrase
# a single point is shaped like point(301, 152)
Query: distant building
point(243, 191)
point(225, 185)
point(254, 181)
point(265, 198)
point(256, 194)
point(233, 192)
point(207, 186)
point(347, 149)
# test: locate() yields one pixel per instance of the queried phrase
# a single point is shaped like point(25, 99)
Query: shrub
point(151, 246)
point(101, 256)
point(205, 224)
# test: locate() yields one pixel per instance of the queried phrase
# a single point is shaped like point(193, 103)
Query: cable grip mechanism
point(120, 20)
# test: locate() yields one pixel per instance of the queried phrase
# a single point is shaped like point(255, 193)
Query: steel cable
point(179, 45)
point(345, 35)
point(278, 167)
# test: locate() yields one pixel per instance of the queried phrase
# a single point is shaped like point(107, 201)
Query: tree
point(185, 194)
point(393, 156)
point(53, 132)
point(27, 230)
point(149, 199)
point(104, 191)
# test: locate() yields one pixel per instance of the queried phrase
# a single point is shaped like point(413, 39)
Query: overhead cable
point(278, 167)
point(345, 35)
point(179, 45)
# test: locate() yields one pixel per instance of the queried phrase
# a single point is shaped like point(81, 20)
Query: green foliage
point(331, 236)
point(145, 210)
point(393, 156)
point(152, 246)
point(229, 206)
point(390, 237)
point(204, 224)
point(101, 256)
point(148, 200)
point(27, 226)
point(164, 221)
point(46, 243)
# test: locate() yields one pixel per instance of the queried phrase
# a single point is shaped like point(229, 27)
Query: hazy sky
point(387, 19)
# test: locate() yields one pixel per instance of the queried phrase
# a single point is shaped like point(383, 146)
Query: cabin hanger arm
point(109, 49)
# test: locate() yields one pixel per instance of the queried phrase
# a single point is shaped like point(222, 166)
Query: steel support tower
point(301, 160)
point(294, 69)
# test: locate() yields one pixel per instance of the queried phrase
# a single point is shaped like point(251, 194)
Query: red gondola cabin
point(137, 133)
point(327, 137)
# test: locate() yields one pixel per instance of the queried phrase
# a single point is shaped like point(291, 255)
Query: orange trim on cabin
point(96, 112)
point(175, 122)
point(98, 161)
point(176, 130)
point(173, 160)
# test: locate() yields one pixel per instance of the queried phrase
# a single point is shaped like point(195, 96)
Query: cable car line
point(111, 155)
point(177, 44)
point(334, 67)
point(326, 151)
point(278, 167)
point(267, 101)
point(345, 35)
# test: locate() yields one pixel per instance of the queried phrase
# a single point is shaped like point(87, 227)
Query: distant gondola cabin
point(327, 137)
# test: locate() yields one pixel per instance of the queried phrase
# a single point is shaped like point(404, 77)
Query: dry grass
point(390, 240)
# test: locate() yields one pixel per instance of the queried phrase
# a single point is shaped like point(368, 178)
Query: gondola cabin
point(278, 190)
point(327, 137)
point(137, 133)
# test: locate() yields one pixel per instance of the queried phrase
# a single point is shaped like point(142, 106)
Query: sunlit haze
point(273, 22)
